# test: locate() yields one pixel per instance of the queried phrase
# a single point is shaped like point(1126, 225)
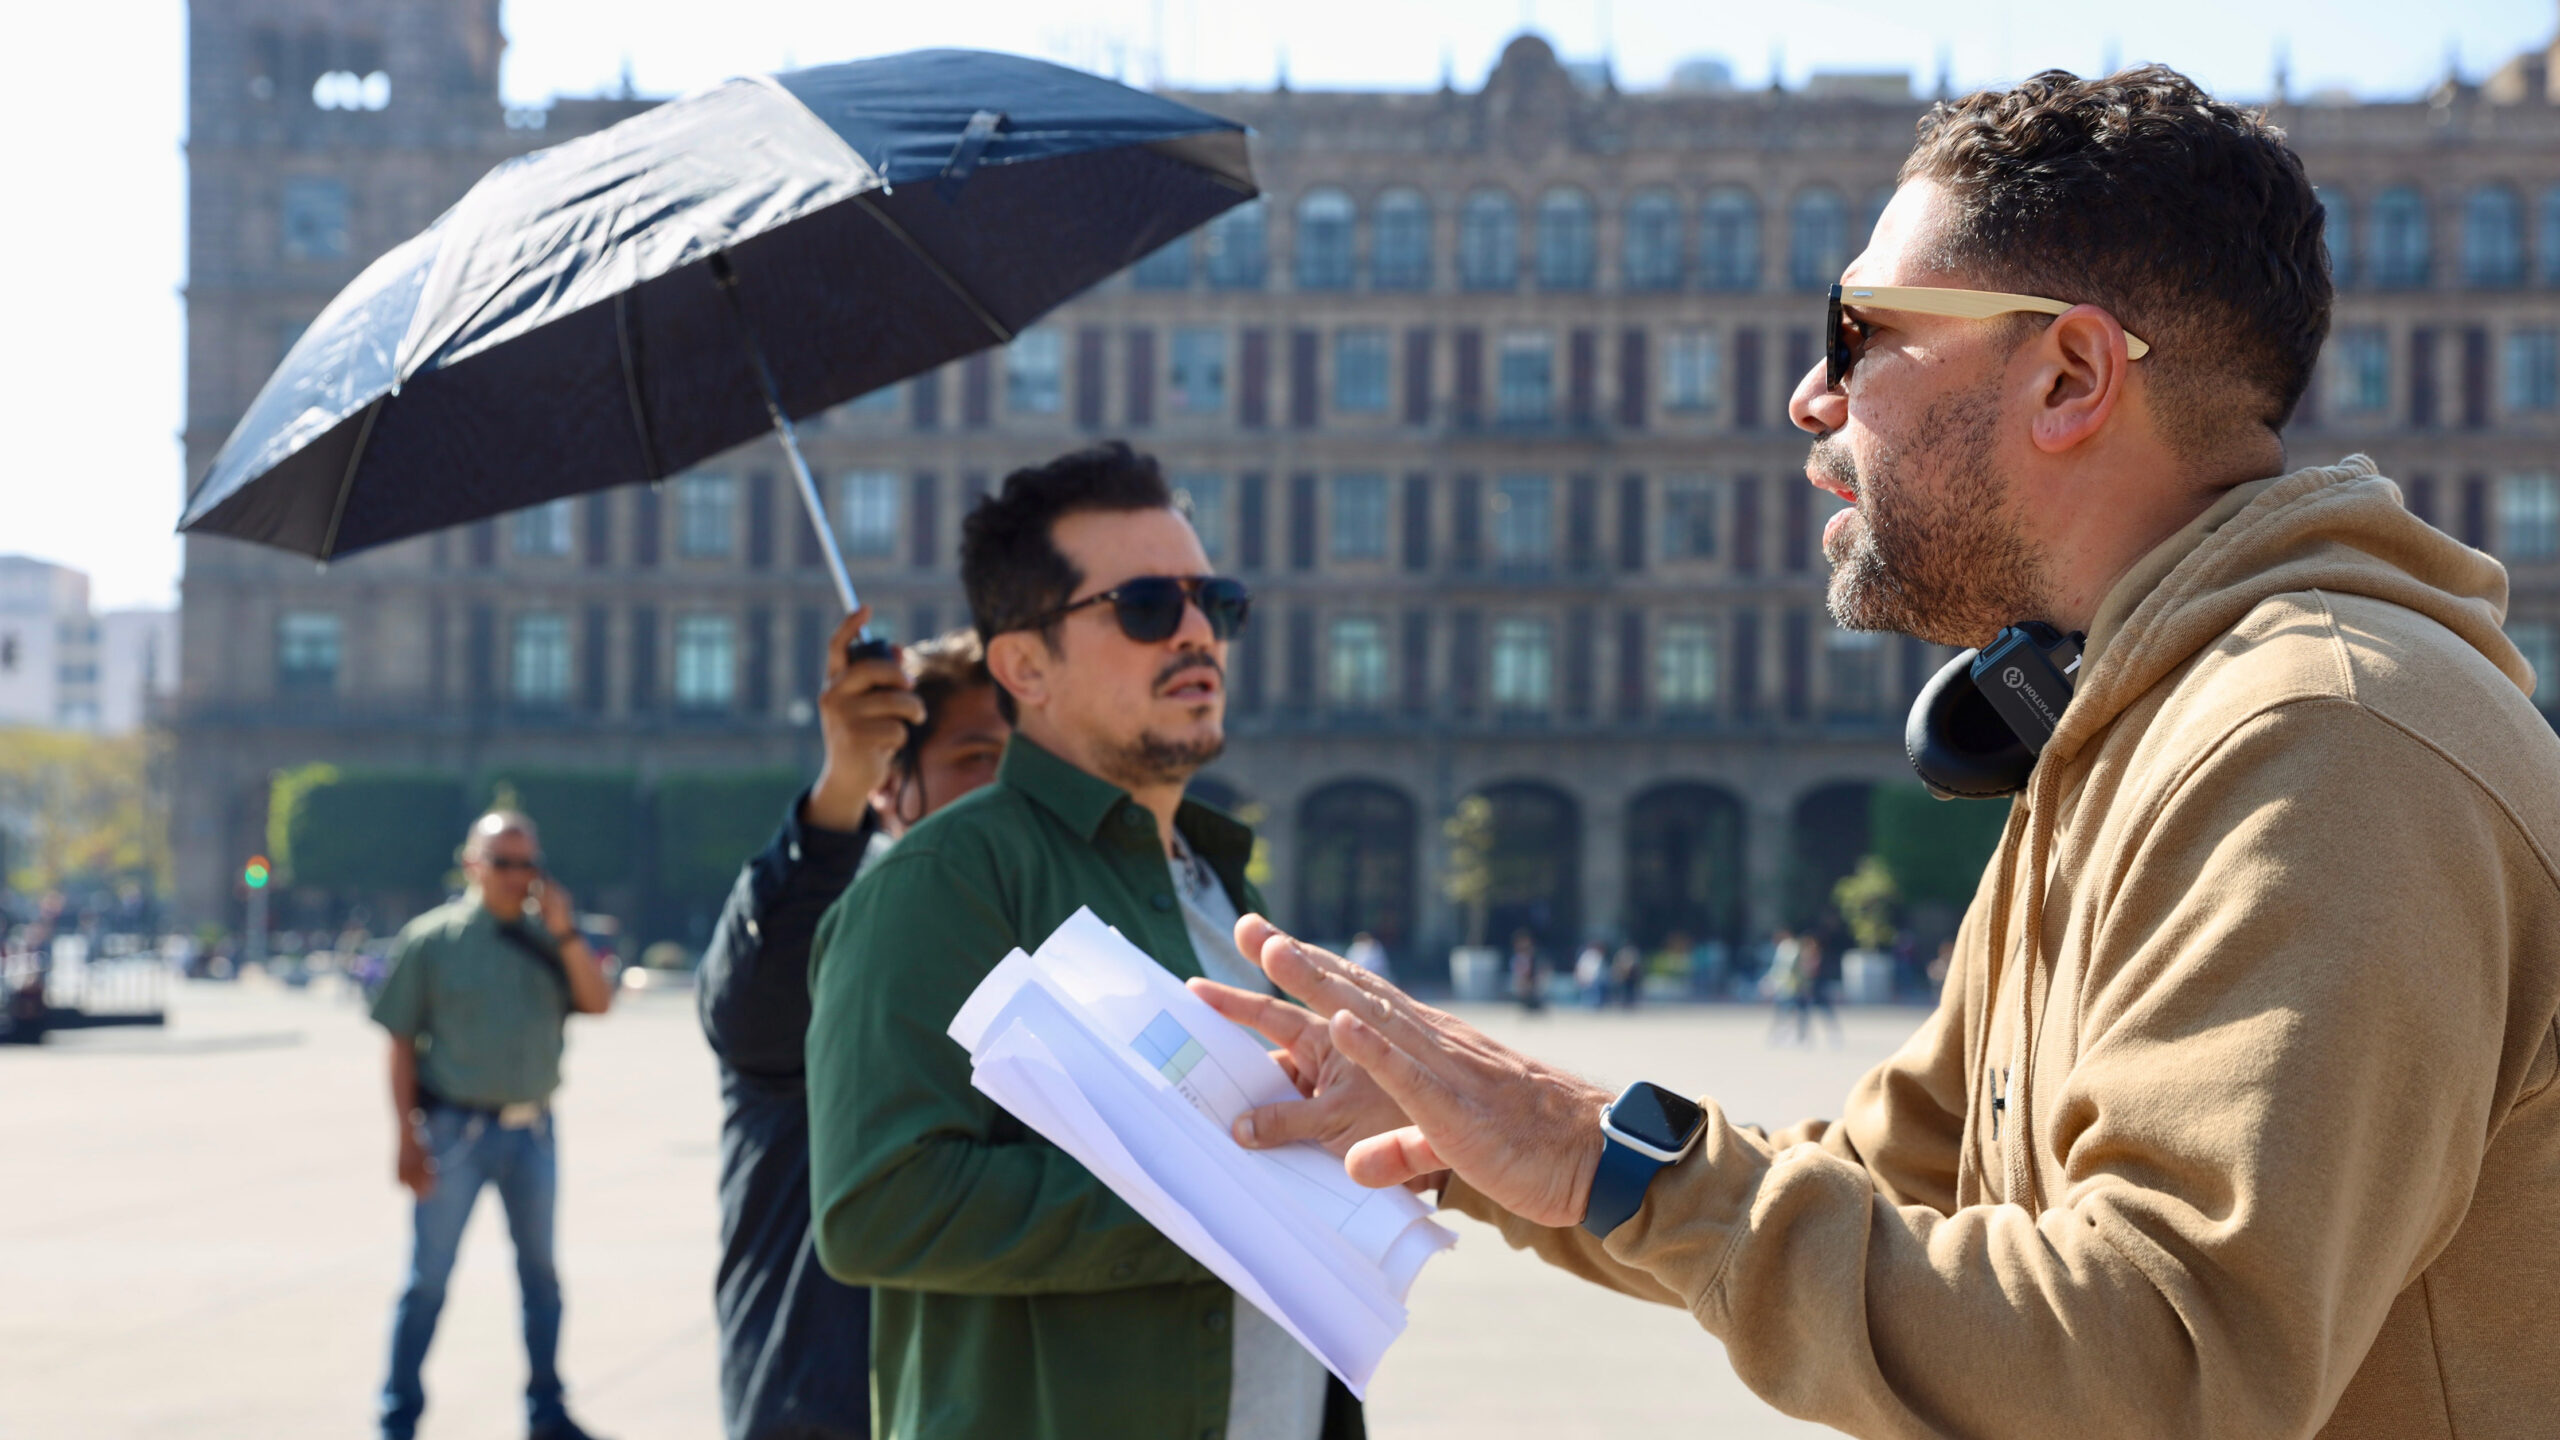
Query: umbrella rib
point(347, 484)
point(995, 327)
point(631, 356)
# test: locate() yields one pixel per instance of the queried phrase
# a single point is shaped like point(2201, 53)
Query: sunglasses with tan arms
point(1849, 338)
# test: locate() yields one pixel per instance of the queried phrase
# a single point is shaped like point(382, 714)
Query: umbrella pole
point(864, 647)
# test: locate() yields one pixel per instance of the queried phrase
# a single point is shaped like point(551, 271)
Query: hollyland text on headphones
point(1979, 724)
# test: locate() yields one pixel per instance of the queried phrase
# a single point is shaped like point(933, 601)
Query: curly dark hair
point(1010, 564)
point(939, 668)
point(2188, 219)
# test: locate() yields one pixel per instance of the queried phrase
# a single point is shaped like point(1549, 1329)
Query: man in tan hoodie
point(2237, 1117)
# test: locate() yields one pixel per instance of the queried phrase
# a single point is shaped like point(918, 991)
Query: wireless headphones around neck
point(1981, 721)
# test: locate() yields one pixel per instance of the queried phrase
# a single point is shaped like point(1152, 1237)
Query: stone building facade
point(1485, 398)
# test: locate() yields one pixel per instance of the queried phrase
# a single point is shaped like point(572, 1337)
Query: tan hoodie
point(2237, 1115)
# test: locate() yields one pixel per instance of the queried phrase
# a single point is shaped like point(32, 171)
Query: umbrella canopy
point(565, 328)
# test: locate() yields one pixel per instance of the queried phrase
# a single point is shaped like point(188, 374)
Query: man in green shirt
point(1014, 1296)
point(479, 993)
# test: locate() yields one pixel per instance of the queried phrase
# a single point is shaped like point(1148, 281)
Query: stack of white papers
point(1099, 1048)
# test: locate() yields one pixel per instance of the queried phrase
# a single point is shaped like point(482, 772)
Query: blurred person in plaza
point(477, 1001)
point(1014, 1297)
point(2240, 1113)
point(1528, 973)
point(1626, 974)
point(1369, 955)
point(903, 737)
point(1590, 973)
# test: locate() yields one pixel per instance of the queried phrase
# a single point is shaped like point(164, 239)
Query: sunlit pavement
point(200, 1238)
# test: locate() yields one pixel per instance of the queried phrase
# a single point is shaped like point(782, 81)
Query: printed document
point(1093, 1044)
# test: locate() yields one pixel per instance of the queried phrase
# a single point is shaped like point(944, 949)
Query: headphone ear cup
point(1960, 746)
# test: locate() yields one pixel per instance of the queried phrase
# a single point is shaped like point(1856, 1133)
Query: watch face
point(1664, 1119)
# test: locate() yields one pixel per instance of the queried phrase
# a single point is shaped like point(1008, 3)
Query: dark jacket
point(795, 1345)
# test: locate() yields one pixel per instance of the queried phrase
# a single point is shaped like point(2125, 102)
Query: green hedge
point(590, 822)
point(364, 830)
point(710, 822)
point(1934, 849)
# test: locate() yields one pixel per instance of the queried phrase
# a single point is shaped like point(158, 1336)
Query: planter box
point(1866, 977)
point(1475, 972)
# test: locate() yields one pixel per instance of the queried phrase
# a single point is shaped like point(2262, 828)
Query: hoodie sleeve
point(2281, 1078)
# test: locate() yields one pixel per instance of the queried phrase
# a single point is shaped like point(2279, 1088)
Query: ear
point(1021, 663)
point(2080, 375)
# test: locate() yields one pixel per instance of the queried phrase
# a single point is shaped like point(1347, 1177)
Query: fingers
point(1270, 1126)
point(840, 643)
point(1252, 933)
point(1395, 1158)
point(1421, 1094)
point(1277, 1021)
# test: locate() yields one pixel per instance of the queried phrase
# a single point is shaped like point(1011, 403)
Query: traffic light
point(254, 874)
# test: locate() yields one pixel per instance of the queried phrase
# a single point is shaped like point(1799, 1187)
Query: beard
point(1945, 561)
point(1154, 759)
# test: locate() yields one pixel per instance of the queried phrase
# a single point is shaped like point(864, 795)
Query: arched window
point(2398, 251)
point(2337, 227)
point(1324, 240)
point(1831, 833)
point(1489, 242)
point(2492, 238)
point(1356, 864)
point(1653, 241)
point(1566, 255)
point(1527, 837)
point(2551, 236)
point(1400, 255)
point(1817, 238)
point(1237, 248)
point(1729, 239)
point(1684, 864)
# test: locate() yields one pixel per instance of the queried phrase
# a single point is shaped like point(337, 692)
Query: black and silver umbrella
point(625, 304)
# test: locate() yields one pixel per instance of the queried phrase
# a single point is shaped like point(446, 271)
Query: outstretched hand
point(1524, 1133)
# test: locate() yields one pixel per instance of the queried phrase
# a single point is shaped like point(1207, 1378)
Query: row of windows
point(2394, 248)
point(1665, 242)
point(2359, 368)
point(1517, 523)
point(1523, 377)
point(1673, 665)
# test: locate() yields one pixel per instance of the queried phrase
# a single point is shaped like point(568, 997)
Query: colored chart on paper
point(1169, 1047)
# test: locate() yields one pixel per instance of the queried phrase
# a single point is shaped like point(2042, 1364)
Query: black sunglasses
point(1149, 607)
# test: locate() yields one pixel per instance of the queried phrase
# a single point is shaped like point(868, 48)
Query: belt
point(518, 1115)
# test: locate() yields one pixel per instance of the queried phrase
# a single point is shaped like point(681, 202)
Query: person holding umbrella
point(903, 739)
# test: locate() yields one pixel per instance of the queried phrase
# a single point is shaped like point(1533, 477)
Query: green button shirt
point(1015, 1296)
point(487, 1014)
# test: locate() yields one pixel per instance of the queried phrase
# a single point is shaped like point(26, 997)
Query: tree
point(709, 823)
point(590, 822)
point(364, 831)
point(81, 808)
point(1934, 850)
point(1867, 899)
point(1469, 880)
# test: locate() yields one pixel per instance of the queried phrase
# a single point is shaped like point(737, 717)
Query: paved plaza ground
point(202, 1238)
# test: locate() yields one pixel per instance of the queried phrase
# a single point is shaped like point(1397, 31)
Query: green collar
point(1086, 802)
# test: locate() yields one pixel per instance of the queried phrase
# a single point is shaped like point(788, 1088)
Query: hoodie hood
point(2339, 528)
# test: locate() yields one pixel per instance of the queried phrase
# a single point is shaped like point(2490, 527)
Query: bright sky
point(92, 98)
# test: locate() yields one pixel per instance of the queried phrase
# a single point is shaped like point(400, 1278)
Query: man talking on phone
point(478, 998)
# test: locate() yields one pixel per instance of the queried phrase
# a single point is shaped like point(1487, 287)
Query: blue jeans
point(471, 1150)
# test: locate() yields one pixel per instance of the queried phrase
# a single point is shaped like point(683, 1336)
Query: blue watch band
point(1618, 1186)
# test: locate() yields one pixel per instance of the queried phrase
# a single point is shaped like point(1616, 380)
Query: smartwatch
point(1646, 1128)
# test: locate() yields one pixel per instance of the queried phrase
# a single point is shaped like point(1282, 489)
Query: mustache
point(1830, 459)
point(1190, 660)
